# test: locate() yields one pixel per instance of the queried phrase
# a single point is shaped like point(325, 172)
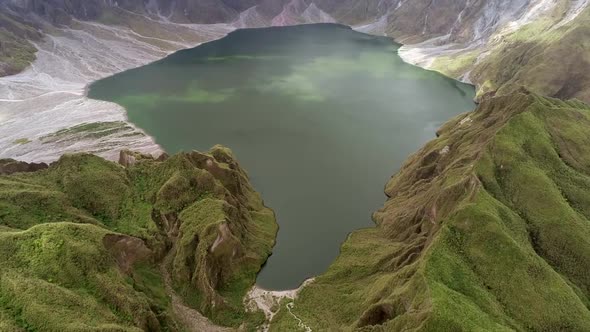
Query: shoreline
point(265, 300)
point(425, 54)
point(47, 103)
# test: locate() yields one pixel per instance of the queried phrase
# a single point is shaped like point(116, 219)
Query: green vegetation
point(16, 51)
point(546, 59)
point(544, 50)
point(486, 228)
point(60, 277)
point(455, 65)
point(22, 141)
point(93, 130)
point(82, 243)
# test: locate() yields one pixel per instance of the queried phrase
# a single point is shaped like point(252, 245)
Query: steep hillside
point(500, 45)
point(486, 228)
point(550, 59)
point(16, 50)
point(88, 244)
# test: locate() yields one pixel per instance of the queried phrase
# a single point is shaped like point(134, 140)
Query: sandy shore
point(269, 301)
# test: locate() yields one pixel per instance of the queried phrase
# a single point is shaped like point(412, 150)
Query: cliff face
point(89, 244)
point(485, 228)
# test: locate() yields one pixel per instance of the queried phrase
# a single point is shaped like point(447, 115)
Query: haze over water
point(319, 115)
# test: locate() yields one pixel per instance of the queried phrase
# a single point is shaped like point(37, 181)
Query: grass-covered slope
point(549, 59)
point(548, 54)
point(486, 228)
point(89, 245)
point(16, 51)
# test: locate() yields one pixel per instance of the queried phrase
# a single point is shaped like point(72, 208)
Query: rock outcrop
point(103, 245)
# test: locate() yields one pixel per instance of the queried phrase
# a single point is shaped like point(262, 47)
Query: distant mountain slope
point(552, 59)
point(16, 51)
point(500, 45)
point(495, 44)
point(486, 228)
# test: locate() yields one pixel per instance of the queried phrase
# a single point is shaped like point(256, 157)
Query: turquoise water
point(319, 115)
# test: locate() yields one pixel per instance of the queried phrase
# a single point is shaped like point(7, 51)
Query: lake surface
point(319, 115)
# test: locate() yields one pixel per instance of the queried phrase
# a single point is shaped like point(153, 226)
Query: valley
point(484, 228)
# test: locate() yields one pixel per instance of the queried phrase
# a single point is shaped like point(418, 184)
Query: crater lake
point(319, 115)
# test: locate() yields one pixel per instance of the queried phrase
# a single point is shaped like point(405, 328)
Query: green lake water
point(319, 115)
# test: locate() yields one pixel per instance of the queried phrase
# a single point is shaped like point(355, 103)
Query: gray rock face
point(187, 11)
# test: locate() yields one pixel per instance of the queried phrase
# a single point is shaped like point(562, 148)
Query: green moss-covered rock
point(83, 242)
point(60, 277)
